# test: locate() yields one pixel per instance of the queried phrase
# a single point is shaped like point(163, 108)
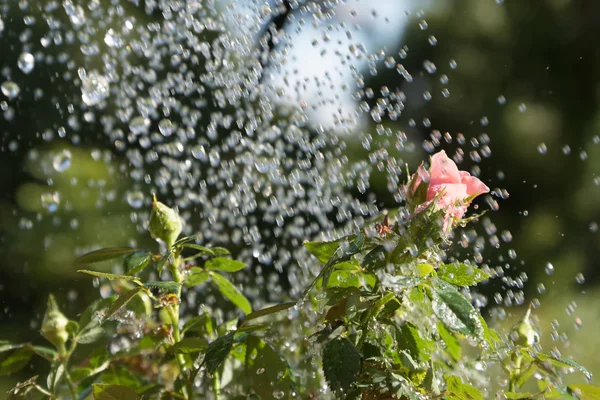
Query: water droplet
point(549, 268)
point(542, 149)
point(139, 125)
point(432, 40)
point(501, 99)
point(50, 201)
point(135, 199)
point(62, 160)
point(423, 25)
point(94, 88)
point(10, 89)
point(522, 107)
point(579, 278)
point(453, 64)
point(165, 127)
point(26, 62)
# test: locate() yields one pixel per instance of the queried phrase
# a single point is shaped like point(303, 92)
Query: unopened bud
point(165, 224)
point(54, 326)
point(523, 333)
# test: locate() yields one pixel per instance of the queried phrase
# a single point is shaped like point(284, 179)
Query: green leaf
point(220, 251)
point(164, 286)
point(89, 318)
point(518, 395)
point(217, 352)
point(461, 391)
point(120, 302)
point(163, 261)
point(408, 338)
point(229, 291)
point(563, 362)
point(460, 274)
point(341, 364)
point(454, 310)
point(196, 277)
point(267, 311)
point(136, 262)
point(189, 345)
point(266, 371)
point(224, 264)
point(452, 345)
point(111, 276)
point(91, 335)
point(16, 361)
point(585, 392)
point(103, 255)
point(323, 250)
point(45, 352)
point(7, 346)
point(346, 278)
point(400, 282)
point(199, 323)
point(113, 392)
point(56, 373)
point(201, 249)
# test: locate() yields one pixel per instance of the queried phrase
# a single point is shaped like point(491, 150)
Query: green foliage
point(385, 313)
point(341, 364)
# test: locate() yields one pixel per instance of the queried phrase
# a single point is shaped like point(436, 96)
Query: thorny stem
point(515, 374)
point(174, 315)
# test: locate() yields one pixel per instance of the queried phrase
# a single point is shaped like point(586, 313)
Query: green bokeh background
point(527, 75)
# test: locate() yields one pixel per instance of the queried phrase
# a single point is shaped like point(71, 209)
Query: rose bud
point(54, 326)
point(165, 224)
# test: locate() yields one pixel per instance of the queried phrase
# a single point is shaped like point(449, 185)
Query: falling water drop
point(549, 268)
point(135, 199)
point(10, 89)
point(26, 62)
point(94, 88)
point(62, 160)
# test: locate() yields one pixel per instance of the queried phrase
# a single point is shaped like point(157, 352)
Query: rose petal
point(451, 193)
point(443, 169)
point(473, 184)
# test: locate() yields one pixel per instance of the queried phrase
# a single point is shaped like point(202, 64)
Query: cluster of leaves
point(393, 322)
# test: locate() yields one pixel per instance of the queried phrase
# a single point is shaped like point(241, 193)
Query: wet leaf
point(563, 362)
point(323, 250)
point(452, 345)
point(164, 286)
point(120, 302)
point(341, 364)
point(457, 390)
point(103, 255)
point(15, 361)
point(54, 376)
point(518, 395)
point(460, 274)
point(224, 264)
point(408, 338)
point(136, 262)
point(217, 352)
point(160, 265)
point(454, 310)
point(266, 370)
point(229, 291)
point(7, 346)
point(111, 276)
point(201, 249)
point(200, 323)
point(113, 392)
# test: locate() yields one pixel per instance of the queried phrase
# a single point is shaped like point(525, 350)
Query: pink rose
point(451, 186)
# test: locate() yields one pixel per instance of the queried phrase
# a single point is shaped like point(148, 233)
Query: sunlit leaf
point(323, 250)
point(452, 345)
point(224, 264)
point(189, 345)
point(196, 277)
point(103, 255)
point(136, 262)
point(457, 390)
point(54, 376)
point(341, 364)
point(217, 352)
point(113, 392)
point(563, 362)
point(201, 249)
point(229, 291)
point(91, 335)
point(164, 260)
point(111, 276)
point(518, 395)
point(267, 311)
point(120, 302)
point(585, 392)
point(460, 274)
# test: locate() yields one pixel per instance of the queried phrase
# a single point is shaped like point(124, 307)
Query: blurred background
point(515, 83)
